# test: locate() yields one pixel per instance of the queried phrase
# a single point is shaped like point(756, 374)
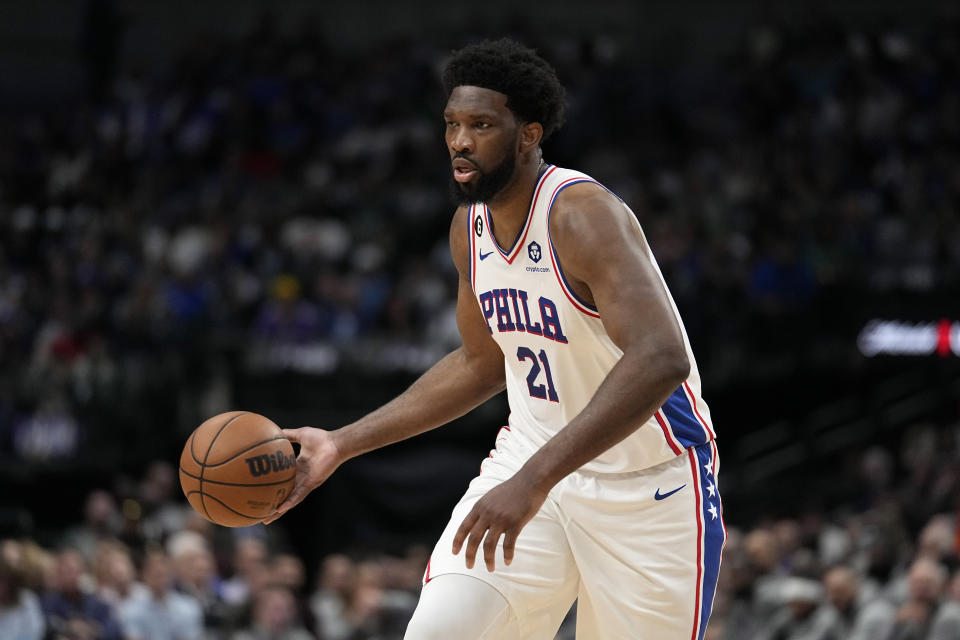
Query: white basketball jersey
point(555, 348)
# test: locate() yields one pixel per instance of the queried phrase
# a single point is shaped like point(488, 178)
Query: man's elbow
point(674, 365)
point(489, 375)
point(489, 380)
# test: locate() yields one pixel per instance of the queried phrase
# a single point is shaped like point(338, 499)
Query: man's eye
point(481, 125)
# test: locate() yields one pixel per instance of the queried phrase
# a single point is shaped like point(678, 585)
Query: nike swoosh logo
point(484, 256)
point(661, 496)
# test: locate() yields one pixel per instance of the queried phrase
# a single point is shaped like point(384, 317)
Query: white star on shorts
point(708, 468)
point(711, 489)
point(712, 511)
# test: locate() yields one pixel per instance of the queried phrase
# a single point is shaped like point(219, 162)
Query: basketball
point(236, 468)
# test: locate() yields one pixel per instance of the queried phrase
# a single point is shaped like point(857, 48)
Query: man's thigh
point(648, 549)
point(541, 582)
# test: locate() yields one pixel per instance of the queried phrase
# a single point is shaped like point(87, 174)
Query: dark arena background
point(216, 206)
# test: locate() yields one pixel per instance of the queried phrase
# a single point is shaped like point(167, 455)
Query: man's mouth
point(462, 174)
point(463, 170)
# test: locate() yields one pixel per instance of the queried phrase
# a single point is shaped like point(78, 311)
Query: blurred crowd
point(879, 560)
point(268, 203)
point(150, 568)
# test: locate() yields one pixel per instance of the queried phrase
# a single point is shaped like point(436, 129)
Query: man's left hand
point(503, 511)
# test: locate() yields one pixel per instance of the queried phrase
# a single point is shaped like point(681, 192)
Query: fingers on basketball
point(293, 435)
point(297, 494)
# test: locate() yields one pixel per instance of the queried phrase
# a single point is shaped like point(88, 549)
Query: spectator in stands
point(883, 538)
point(69, 606)
point(35, 564)
point(163, 510)
point(926, 581)
point(249, 562)
point(115, 574)
point(195, 574)
point(286, 317)
point(395, 601)
point(274, 617)
point(762, 556)
point(946, 623)
point(161, 613)
point(402, 577)
point(371, 598)
point(856, 615)
point(937, 538)
point(800, 617)
point(286, 569)
point(101, 521)
point(732, 606)
point(255, 575)
point(329, 602)
point(369, 610)
point(20, 614)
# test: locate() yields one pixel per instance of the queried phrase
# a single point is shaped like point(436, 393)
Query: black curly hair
point(534, 94)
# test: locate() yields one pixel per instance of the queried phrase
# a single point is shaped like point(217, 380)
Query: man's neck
point(510, 207)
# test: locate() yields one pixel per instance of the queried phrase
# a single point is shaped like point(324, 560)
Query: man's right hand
point(318, 458)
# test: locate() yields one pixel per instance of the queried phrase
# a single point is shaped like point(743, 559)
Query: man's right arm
point(459, 382)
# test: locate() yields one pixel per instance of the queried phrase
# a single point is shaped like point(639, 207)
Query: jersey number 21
point(538, 390)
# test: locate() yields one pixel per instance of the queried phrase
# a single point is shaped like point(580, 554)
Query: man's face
point(481, 137)
point(156, 574)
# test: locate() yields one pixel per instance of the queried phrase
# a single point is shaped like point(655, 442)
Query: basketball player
point(603, 486)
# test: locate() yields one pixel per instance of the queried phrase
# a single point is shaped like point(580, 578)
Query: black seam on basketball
point(227, 507)
point(192, 454)
point(209, 517)
point(204, 463)
point(238, 484)
point(240, 453)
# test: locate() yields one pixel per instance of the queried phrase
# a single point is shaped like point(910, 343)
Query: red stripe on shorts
point(695, 467)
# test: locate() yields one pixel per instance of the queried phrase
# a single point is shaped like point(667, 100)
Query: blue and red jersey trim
point(511, 254)
point(711, 535)
point(681, 422)
point(581, 305)
point(672, 441)
point(471, 258)
point(698, 590)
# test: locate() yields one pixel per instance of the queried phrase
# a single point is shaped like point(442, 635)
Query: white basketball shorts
point(640, 551)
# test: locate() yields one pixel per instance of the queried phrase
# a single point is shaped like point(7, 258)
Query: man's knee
point(464, 608)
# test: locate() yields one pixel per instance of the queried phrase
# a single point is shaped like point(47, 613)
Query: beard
point(487, 184)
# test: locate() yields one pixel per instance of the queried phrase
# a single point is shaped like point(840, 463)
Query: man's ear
point(531, 133)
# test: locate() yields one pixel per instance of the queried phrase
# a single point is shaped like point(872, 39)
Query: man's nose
point(461, 141)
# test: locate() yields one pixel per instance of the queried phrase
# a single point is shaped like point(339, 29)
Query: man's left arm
point(605, 259)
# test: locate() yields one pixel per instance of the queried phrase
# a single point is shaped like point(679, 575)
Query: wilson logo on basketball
point(270, 463)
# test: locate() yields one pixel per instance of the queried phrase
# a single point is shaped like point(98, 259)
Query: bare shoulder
point(458, 238)
point(587, 216)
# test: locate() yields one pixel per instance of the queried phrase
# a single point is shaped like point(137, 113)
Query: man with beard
point(603, 486)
